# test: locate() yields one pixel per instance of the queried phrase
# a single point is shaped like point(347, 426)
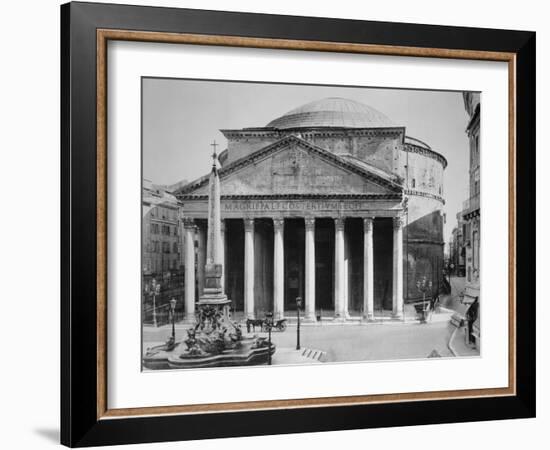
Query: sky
point(181, 118)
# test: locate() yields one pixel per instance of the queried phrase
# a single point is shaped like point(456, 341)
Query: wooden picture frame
point(85, 416)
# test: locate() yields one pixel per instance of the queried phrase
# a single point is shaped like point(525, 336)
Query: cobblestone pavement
point(356, 342)
point(364, 342)
point(375, 342)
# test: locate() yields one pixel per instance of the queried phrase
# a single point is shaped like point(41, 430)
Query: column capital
point(339, 223)
point(278, 223)
point(188, 222)
point(248, 224)
point(310, 223)
point(398, 222)
point(367, 223)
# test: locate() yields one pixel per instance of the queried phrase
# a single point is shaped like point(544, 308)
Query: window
point(175, 247)
point(475, 249)
point(474, 151)
point(413, 183)
point(155, 228)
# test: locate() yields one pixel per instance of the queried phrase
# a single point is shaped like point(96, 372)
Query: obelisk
point(213, 290)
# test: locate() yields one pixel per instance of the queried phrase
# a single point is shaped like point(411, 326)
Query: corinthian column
point(189, 238)
point(339, 270)
point(201, 257)
point(278, 268)
point(222, 252)
point(249, 268)
point(310, 268)
point(368, 270)
point(397, 268)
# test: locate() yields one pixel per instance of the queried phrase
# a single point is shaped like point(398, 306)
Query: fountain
point(215, 340)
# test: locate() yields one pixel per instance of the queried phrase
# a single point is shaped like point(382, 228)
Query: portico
point(328, 261)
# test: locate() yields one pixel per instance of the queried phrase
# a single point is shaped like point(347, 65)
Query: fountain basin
point(158, 358)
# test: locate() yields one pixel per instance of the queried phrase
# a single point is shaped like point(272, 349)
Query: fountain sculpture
point(215, 340)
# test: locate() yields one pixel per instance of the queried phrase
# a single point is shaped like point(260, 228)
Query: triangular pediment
point(293, 166)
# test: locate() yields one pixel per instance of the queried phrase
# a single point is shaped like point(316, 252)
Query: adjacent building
point(457, 248)
point(332, 202)
point(471, 210)
point(162, 255)
point(160, 234)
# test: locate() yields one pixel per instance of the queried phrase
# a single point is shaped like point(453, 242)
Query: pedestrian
point(471, 316)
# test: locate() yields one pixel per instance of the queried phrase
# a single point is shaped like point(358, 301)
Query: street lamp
point(173, 311)
point(155, 290)
point(269, 325)
point(298, 306)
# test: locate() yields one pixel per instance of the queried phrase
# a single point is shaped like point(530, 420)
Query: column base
point(189, 319)
point(310, 318)
point(368, 318)
point(341, 317)
point(397, 316)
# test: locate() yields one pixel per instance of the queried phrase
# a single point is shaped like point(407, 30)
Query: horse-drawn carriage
point(251, 324)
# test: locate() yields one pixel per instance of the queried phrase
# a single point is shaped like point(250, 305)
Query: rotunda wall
point(425, 173)
point(423, 241)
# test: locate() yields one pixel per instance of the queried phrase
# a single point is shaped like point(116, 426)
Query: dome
point(333, 112)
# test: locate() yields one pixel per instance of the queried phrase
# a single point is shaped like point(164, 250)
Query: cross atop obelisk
point(214, 154)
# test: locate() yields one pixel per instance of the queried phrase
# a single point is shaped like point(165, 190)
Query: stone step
point(317, 355)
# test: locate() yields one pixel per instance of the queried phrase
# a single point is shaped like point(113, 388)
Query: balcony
point(470, 205)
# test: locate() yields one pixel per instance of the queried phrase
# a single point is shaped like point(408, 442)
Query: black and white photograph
point(292, 224)
point(257, 225)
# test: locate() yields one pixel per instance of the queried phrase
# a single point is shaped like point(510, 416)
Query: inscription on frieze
point(294, 205)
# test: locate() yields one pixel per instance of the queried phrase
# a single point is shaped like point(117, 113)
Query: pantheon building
point(332, 202)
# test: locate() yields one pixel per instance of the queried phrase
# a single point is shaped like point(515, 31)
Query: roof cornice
point(395, 196)
point(324, 131)
point(413, 148)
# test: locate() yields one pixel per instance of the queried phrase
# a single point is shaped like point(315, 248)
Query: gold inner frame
point(104, 35)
